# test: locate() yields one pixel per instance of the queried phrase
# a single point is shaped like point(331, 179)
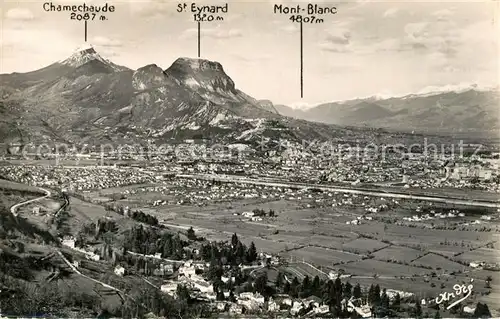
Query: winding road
point(13, 209)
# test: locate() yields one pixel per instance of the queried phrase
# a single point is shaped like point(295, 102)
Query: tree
point(261, 284)
point(252, 253)
point(347, 290)
point(306, 283)
point(287, 287)
point(384, 300)
point(220, 295)
point(418, 310)
point(279, 280)
point(374, 295)
point(182, 293)
point(488, 282)
point(232, 297)
point(397, 301)
point(191, 234)
point(356, 292)
point(316, 286)
point(294, 287)
point(482, 311)
point(234, 240)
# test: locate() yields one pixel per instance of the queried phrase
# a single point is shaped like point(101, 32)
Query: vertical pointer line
point(301, 61)
point(199, 39)
point(85, 30)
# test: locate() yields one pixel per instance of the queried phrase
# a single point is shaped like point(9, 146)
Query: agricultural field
point(364, 245)
point(321, 256)
point(371, 267)
point(397, 253)
point(445, 265)
point(487, 254)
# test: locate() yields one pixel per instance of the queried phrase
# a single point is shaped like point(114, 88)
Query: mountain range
point(87, 99)
point(471, 110)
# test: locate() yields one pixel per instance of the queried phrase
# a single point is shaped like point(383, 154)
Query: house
point(69, 242)
point(221, 306)
point(296, 308)
point(322, 309)
point(227, 279)
point(92, 256)
point(164, 269)
point(204, 287)
point(236, 309)
point(469, 310)
point(333, 275)
point(250, 300)
point(313, 301)
point(272, 305)
point(476, 264)
point(119, 271)
point(187, 269)
point(169, 288)
point(248, 214)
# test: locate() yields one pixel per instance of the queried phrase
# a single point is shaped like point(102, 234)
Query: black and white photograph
point(250, 159)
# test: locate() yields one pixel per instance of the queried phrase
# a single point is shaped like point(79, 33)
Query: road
point(14, 208)
point(387, 194)
point(105, 285)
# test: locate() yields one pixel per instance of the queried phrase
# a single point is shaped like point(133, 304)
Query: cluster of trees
point(139, 216)
point(332, 292)
point(262, 213)
point(148, 241)
point(191, 235)
point(144, 218)
point(225, 258)
point(104, 229)
point(233, 253)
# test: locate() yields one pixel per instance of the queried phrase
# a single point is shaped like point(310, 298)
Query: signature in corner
point(459, 290)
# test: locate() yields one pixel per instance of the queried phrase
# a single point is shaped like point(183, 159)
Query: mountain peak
point(86, 48)
point(86, 53)
point(198, 64)
point(201, 73)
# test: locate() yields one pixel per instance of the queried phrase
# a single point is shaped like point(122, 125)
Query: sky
point(369, 48)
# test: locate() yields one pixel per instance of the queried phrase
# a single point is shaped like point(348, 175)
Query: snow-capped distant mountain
point(87, 53)
point(450, 109)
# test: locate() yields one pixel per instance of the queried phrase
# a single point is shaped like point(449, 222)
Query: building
point(169, 288)
point(119, 271)
point(69, 242)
